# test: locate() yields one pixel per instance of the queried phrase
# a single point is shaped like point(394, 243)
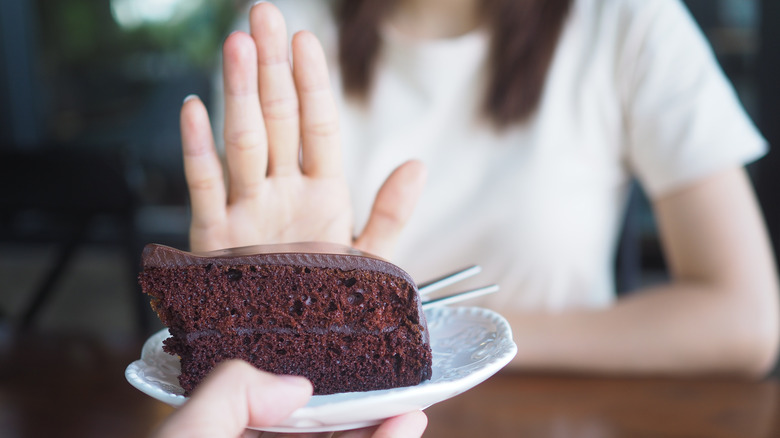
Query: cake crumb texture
point(345, 330)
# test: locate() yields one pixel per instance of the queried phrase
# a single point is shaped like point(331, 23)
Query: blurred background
point(90, 152)
point(90, 171)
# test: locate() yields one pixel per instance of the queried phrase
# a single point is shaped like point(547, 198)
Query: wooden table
point(67, 386)
point(516, 405)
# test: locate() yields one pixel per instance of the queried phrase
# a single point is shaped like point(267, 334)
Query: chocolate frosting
point(304, 254)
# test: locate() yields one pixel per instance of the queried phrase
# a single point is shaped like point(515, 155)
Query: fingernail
point(259, 1)
point(189, 98)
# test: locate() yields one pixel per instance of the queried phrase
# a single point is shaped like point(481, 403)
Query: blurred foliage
point(84, 31)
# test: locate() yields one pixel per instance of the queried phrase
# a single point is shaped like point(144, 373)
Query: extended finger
point(321, 153)
point(202, 168)
point(392, 208)
point(245, 136)
point(278, 98)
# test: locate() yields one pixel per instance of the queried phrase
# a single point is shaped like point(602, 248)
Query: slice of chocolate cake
point(346, 320)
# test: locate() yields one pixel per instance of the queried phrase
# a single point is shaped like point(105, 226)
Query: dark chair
point(69, 187)
point(628, 263)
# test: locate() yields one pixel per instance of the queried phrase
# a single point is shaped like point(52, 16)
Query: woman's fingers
point(278, 98)
point(321, 153)
point(392, 208)
point(268, 110)
point(202, 168)
point(245, 136)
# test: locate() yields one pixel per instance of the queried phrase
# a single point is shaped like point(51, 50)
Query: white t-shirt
point(633, 91)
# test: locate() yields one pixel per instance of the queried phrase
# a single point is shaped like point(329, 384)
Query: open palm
point(282, 152)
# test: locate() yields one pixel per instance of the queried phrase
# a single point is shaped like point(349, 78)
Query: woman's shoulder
point(632, 27)
point(629, 11)
point(630, 5)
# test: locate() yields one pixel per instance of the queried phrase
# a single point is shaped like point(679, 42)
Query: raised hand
point(282, 152)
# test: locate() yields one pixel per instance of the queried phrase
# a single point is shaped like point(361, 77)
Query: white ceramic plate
point(469, 345)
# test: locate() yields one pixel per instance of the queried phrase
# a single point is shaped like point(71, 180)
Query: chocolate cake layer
point(346, 320)
point(333, 362)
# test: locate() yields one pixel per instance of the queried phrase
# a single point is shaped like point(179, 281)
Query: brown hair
point(524, 37)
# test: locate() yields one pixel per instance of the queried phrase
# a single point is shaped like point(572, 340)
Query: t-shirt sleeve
point(683, 118)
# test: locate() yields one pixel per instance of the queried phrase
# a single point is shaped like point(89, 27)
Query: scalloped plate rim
point(313, 417)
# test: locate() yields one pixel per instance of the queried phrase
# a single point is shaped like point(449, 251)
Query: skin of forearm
point(678, 329)
point(719, 314)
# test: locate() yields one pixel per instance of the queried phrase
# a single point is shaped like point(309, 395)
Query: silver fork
point(427, 288)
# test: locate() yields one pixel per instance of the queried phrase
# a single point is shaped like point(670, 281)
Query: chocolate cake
point(346, 320)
